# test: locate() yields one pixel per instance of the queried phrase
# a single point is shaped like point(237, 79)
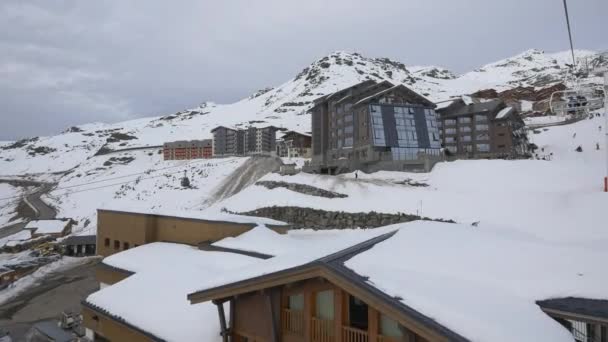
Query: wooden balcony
point(350, 334)
point(322, 330)
point(293, 321)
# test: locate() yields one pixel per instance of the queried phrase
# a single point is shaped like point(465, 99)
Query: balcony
point(293, 321)
point(322, 330)
point(350, 334)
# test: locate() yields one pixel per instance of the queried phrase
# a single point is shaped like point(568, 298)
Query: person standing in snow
point(574, 136)
point(356, 174)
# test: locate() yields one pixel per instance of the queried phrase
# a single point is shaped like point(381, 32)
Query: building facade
point(374, 126)
point(482, 130)
point(295, 145)
point(183, 149)
point(237, 142)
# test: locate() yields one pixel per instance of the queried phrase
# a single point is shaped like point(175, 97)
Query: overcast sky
point(68, 62)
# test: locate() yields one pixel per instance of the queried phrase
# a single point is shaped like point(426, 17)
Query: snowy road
point(42, 211)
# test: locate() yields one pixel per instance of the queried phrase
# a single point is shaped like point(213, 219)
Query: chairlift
point(579, 100)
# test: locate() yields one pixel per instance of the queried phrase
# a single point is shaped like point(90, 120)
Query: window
point(375, 108)
point(348, 117)
point(464, 120)
point(450, 122)
point(483, 147)
point(501, 134)
point(107, 242)
point(116, 244)
point(125, 245)
point(465, 129)
point(481, 127)
point(501, 146)
point(435, 136)
point(501, 124)
point(411, 110)
point(324, 308)
point(450, 131)
point(481, 118)
point(348, 129)
point(482, 136)
point(389, 327)
point(450, 139)
point(465, 138)
point(357, 313)
point(296, 302)
point(467, 148)
point(348, 142)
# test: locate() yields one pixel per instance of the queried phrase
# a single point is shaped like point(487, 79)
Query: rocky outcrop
point(300, 217)
point(301, 188)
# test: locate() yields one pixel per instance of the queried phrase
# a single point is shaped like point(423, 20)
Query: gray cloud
point(69, 62)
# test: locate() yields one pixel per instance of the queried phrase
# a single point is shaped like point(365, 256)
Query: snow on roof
point(156, 294)
point(296, 248)
point(504, 113)
point(16, 238)
point(47, 226)
point(472, 280)
point(196, 214)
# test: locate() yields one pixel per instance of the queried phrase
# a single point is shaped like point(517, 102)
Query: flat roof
point(197, 216)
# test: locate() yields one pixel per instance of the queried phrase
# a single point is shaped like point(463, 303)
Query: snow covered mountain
point(80, 154)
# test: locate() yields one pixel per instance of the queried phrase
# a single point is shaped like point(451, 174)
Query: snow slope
point(76, 156)
point(559, 200)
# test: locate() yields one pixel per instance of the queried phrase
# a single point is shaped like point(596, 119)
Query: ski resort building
point(118, 231)
point(54, 228)
point(295, 145)
point(193, 149)
point(482, 130)
point(251, 141)
point(374, 126)
point(315, 286)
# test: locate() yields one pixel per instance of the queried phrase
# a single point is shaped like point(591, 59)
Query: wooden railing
point(293, 321)
point(350, 334)
point(322, 330)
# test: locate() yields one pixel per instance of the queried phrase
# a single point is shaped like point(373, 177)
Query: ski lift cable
point(569, 33)
point(119, 177)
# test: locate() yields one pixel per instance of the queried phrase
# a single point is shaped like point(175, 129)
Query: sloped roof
point(396, 87)
point(460, 109)
point(594, 308)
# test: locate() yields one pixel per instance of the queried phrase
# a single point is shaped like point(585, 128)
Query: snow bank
point(483, 283)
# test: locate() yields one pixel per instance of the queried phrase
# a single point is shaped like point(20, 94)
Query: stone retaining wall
point(320, 219)
point(301, 188)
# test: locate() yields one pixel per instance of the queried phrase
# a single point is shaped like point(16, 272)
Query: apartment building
point(184, 149)
point(227, 141)
point(374, 126)
point(295, 145)
point(482, 130)
point(260, 141)
point(237, 142)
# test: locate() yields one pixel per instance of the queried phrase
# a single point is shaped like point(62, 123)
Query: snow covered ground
point(136, 180)
point(560, 200)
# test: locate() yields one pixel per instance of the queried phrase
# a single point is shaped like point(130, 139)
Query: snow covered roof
point(156, 293)
point(468, 280)
point(197, 215)
point(505, 112)
point(47, 226)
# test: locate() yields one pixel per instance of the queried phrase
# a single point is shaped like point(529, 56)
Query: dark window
point(501, 134)
point(107, 242)
point(116, 244)
point(357, 313)
point(125, 246)
point(501, 146)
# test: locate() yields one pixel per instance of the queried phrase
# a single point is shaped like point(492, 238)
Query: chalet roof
point(504, 113)
point(328, 266)
point(364, 84)
point(450, 279)
point(461, 109)
point(288, 133)
point(396, 87)
point(595, 308)
point(366, 89)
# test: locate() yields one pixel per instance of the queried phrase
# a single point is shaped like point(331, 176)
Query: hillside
point(82, 154)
